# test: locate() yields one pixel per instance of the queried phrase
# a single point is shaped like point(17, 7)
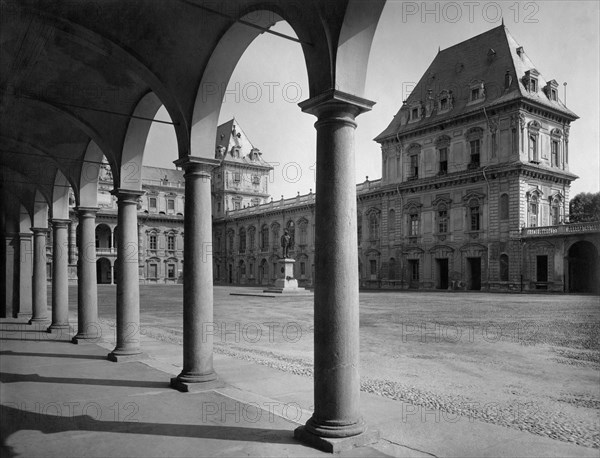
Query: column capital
point(334, 101)
point(40, 230)
point(60, 222)
point(127, 195)
point(200, 166)
point(86, 212)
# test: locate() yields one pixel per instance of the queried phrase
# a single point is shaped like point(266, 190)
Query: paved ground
point(423, 370)
point(529, 362)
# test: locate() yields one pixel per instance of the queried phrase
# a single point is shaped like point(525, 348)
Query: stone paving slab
point(60, 399)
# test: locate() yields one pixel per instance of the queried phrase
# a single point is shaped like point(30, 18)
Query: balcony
point(562, 229)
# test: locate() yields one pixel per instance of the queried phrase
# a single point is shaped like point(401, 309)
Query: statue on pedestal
point(286, 243)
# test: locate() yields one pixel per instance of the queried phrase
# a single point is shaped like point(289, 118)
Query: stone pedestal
point(286, 280)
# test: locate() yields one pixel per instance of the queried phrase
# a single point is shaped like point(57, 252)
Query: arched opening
point(583, 268)
point(104, 239)
point(263, 272)
point(103, 271)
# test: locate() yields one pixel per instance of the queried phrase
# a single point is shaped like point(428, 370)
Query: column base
point(59, 329)
point(38, 320)
point(192, 385)
point(121, 357)
point(79, 339)
point(335, 444)
point(23, 315)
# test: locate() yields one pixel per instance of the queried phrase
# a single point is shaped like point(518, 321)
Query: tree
point(584, 207)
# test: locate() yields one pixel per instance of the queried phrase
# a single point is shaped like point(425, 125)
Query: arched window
point(251, 237)
point(230, 247)
point(555, 211)
point(392, 222)
point(504, 207)
point(275, 231)
point(373, 226)
point(291, 228)
point(503, 267)
point(303, 232)
point(474, 215)
point(264, 237)
point(242, 240)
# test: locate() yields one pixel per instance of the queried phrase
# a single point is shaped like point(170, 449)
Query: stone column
point(11, 272)
point(39, 290)
point(60, 276)
point(25, 273)
point(128, 285)
point(336, 306)
point(87, 290)
point(197, 277)
point(141, 252)
point(72, 243)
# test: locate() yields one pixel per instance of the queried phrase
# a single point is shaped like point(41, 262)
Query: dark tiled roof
point(157, 174)
point(486, 57)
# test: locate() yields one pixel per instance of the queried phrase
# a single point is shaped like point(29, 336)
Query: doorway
point(474, 265)
point(442, 271)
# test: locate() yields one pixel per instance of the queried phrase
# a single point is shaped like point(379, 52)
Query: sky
point(560, 37)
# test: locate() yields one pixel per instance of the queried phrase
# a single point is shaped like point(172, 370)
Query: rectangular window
point(236, 205)
point(414, 225)
point(443, 161)
point(302, 268)
point(414, 166)
point(237, 177)
point(171, 271)
point(475, 149)
point(443, 104)
point(373, 266)
point(218, 207)
point(152, 203)
point(415, 113)
point(553, 94)
point(475, 219)
point(443, 221)
point(554, 153)
point(533, 85)
point(171, 242)
point(171, 204)
point(153, 270)
point(533, 149)
point(414, 269)
point(474, 94)
point(152, 242)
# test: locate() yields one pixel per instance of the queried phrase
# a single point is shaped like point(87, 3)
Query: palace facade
point(473, 196)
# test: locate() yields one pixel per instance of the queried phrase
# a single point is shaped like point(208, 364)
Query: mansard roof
point(485, 58)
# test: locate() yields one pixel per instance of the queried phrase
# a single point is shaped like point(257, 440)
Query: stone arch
point(88, 180)
point(130, 176)
point(60, 196)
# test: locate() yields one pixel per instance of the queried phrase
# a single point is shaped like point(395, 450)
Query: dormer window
point(444, 104)
point(414, 114)
point(531, 80)
point(551, 90)
point(477, 93)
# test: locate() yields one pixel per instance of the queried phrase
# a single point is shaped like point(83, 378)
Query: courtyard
point(528, 362)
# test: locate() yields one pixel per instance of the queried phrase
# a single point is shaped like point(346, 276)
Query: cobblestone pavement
point(529, 362)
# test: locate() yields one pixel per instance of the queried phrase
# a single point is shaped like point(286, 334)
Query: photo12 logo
point(453, 12)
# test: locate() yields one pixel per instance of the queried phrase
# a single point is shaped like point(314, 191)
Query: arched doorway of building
point(583, 268)
point(103, 271)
